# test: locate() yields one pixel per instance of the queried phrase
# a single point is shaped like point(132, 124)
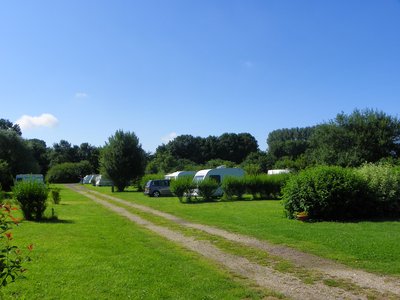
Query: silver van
point(157, 188)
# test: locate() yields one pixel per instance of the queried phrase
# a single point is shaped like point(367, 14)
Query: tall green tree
point(351, 140)
point(40, 153)
point(15, 154)
point(8, 125)
point(122, 159)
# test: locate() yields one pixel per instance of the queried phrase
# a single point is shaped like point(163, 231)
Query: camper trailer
point(217, 174)
point(179, 174)
point(278, 171)
point(102, 181)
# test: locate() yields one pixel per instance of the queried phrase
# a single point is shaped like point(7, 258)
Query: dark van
point(157, 188)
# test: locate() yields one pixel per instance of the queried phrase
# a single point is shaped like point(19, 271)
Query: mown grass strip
point(90, 253)
point(368, 245)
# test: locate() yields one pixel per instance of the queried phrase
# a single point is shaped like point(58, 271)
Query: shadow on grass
point(54, 221)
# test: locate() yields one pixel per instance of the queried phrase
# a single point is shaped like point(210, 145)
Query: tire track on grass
point(365, 280)
point(264, 276)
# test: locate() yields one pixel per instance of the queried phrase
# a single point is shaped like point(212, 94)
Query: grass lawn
point(370, 245)
point(91, 253)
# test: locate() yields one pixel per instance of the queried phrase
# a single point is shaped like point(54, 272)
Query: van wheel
point(156, 194)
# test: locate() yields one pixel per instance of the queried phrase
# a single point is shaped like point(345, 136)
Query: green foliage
point(146, 178)
point(11, 257)
point(31, 196)
point(384, 184)
point(15, 151)
point(328, 193)
point(6, 179)
point(182, 187)
point(55, 195)
point(68, 172)
point(234, 187)
point(351, 140)
point(207, 188)
point(122, 159)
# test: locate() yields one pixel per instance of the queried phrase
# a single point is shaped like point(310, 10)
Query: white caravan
point(179, 174)
point(103, 181)
point(278, 171)
point(217, 174)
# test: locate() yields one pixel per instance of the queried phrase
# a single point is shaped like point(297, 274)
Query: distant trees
point(122, 159)
point(348, 140)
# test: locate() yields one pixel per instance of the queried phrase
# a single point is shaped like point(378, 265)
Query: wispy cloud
point(169, 137)
point(247, 64)
point(44, 120)
point(81, 95)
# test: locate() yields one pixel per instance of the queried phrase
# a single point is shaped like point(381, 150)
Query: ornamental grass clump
point(32, 197)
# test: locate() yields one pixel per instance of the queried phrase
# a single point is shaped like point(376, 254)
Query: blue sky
point(80, 70)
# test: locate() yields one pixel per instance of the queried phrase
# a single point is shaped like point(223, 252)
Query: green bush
point(253, 185)
point(233, 187)
point(31, 196)
point(383, 182)
point(68, 172)
point(327, 193)
point(55, 194)
point(182, 187)
point(271, 185)
point(207, 188)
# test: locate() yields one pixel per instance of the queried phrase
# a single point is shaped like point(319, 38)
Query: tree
point(289, 143)
point(351, 140)
point(40, 153)
point(15, 151)
point(122, 159)
point(7, 125)
point(63, 152)
point(91, 154)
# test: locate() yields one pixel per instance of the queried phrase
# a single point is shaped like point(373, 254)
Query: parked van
point(157, 188)
point(30, 177)
point(217, 174)
point(179, 174)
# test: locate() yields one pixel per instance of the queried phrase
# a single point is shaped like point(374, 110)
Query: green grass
point(370, 245)
point(91, 253)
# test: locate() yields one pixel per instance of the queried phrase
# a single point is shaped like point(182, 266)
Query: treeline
point(347, 141)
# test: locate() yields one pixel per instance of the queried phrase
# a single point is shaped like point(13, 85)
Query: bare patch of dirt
point(289, 285)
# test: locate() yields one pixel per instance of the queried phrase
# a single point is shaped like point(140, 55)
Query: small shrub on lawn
point(207, 188)
point(234, 187)
point(253, 185)
point(31, 196)
point(55, 195)
point(383, 182)
point(327, 193)
point(182, 187)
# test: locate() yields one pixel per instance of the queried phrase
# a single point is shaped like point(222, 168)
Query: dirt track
point(363, 284)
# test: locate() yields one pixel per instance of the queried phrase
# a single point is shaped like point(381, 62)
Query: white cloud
point(81, 95)
point(169, 137)
point(44, 120)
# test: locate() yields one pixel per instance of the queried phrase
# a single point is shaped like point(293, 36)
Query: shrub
point(327, 193)
point(383, 182)
point(68, 172)
point(253, 185)
point(55, 195)
point(207, 188)
point(182, 187)
point(31, 196)
point(234, 187)
point(271, 185)
point(11, 257)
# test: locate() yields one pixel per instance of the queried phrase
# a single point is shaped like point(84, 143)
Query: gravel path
point(289, 285)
